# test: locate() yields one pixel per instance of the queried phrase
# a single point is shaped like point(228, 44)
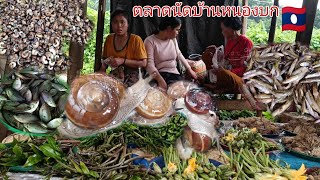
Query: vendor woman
point(237, 51)
point(163, 53)
point(123, 52)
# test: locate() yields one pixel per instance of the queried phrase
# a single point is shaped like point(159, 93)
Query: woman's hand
point(161, 82)
point(115, 62)
point(193, 74)
point(162, 85)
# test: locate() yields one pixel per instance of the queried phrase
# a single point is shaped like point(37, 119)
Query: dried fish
point(283, 75)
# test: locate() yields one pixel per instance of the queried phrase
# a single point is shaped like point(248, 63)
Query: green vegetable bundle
point(151, 137)
point(246, 138)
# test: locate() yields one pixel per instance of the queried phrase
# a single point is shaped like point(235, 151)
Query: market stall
point(96, 128)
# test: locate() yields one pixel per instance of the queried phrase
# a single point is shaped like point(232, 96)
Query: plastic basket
point(18, 131)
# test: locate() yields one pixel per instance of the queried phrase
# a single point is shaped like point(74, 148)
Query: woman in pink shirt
point(163, 53)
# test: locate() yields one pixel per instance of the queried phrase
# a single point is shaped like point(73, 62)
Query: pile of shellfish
point(32, 31)
point(32, 100)
point(285, 75)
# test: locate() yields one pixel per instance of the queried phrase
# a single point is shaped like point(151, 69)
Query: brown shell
point(155, 105)
point(180, 88)
point(198, 101)
point(94, 100)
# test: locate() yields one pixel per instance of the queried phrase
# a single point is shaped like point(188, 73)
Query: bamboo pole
point(76, 53)
point(273, 25)
point(305, 37)
point(244, 19)
point(99, 37)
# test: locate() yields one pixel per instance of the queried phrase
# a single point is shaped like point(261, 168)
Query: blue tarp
point(294, 161)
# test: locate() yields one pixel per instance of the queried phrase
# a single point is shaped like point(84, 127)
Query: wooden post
point(76, 53)
point(273, 25)
point(244, 19)
point(305, 37)
point(99, 37)
point(3, 64)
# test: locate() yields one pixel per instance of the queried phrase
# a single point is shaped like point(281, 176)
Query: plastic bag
point(217, 61)
point(201, 127)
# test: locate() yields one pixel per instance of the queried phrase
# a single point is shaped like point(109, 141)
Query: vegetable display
point(246, 138)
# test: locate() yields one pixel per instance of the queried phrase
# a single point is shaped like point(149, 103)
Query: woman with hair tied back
point(236, 52)
point(123, 51)
point(163, 53)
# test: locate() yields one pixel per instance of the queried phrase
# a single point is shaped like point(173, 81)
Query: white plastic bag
point(217, 61)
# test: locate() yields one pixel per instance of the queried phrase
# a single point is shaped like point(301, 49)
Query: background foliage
point(258, 29)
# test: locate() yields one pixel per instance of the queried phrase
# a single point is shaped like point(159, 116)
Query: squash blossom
point(298, 174)
point(172, 168)
point(254, 130)
point(191, 166)
point(229, 137)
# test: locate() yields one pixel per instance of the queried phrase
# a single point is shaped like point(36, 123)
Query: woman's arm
point(151, 68)
point(184, 61)
point(128, 62)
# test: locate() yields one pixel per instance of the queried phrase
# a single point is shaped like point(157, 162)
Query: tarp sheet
point(197, 32)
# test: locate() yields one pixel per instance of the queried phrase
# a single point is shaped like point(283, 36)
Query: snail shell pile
point(32, 32)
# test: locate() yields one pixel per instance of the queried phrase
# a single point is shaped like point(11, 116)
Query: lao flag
point(293, 19)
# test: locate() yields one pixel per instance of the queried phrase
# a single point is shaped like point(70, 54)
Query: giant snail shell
point(94, 100)
point(155, 105)
point(180, 88)
point(198, 101)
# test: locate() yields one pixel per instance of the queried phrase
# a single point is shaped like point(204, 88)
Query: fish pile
point(32, 100)
point(284, 75)
point(32, 32)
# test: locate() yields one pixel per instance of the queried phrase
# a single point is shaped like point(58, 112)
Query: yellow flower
point(191, 166)
point(298, 174)
point(254, 130)
point(229, 137)
point(192, 163)
point(172, 167)
point(188, 170)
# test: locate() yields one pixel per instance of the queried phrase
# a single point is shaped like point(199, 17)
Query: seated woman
point(123, 51)
point(163, 53)
point(237, 51)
